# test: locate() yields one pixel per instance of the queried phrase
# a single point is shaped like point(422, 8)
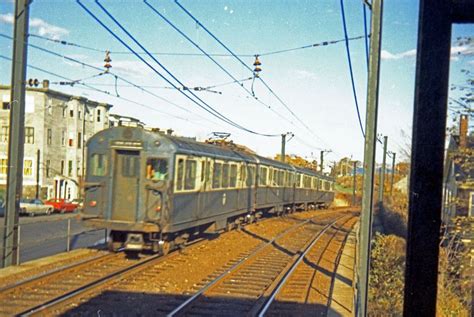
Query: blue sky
point(313, 82)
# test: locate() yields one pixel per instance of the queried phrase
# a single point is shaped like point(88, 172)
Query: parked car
point(62, 205)
point(79, 202)
point(33, 207)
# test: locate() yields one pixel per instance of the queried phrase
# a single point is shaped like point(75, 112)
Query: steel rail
point(143, 264)
point(190, 300)
point(52, 272)
point(293, 267)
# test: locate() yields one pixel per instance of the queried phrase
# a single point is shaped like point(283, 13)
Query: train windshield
point(157, 169)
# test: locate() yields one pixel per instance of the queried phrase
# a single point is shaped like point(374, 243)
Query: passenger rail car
point(153, 191)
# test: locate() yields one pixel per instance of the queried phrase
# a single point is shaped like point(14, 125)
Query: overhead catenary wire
point(213, 60)
point(246, 66)
point(351, 73)
point(90, 87)
point(94, 49)
point(84, 64)
point(204, 105)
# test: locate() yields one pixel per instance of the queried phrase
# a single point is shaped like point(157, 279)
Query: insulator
point(257, 61)
point(257, 69)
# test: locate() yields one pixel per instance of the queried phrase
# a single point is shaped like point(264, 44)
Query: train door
point(125, 189)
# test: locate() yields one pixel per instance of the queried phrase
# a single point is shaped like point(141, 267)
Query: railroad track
point(247, 288)
point(53, 292)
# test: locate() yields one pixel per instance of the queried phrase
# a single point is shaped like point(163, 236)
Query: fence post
point(18, 240)
point(68, 247)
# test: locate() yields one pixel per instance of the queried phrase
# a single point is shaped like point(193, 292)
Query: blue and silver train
point(155, 191)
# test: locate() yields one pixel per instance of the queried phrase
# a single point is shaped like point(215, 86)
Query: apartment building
point(57, 126)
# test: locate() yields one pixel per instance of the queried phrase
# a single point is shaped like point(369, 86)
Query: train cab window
point(156, 169)
point(130, 166)
point(216, 175)
point(179, 175)
point(314, 183)
point(327, 186)
point(263, 176)
point(225, 175)
point(233, 175)
point(190, 175)
point(98, 165)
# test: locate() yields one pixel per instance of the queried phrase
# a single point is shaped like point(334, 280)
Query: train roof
point(190, 146)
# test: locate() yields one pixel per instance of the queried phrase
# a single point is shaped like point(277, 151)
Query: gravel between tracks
point(161, 288)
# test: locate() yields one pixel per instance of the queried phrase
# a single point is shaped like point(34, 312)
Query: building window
point(98, 115)
point(28, 168)
point(30, 135)
point(48, 166)
point(63, 137)
point(50, 136)
point(3, 166)
point(64, 112)
point(5, 105)
point(71, 113)
point(69, 168)
point(78, 114)
point(62, 167)
point(79, 140)
point(4, 134)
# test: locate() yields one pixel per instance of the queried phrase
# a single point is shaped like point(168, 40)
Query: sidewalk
point(343, 292)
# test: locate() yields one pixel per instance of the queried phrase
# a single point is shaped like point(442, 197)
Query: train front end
point(126, 187)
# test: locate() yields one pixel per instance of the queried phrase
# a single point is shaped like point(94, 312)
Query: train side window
point(98, 165)
point(263, 176)
point(281, 178)
point(320, 184)
point(203, 169)
point(298, 180)
point(225, 175)
point(251, 176)
point(156, 169)
point(190, 175)
point(243, 174)
point(179, 175)
point(216, 175)
point(233, 175)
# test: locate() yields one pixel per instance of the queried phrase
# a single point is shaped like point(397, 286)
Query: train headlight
point(158, 209)
point(93, 203)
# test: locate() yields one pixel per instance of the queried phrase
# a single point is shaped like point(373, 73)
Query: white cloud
point(456, 52)
point(304, 74)
point(39, 26)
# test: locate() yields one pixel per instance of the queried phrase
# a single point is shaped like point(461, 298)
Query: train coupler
point(134, 242)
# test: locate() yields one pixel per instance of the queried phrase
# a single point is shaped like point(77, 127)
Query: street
point(47, 235)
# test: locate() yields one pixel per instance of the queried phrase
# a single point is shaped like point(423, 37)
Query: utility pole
point(393, 174)
point(369, 157)
point(322, 159)
point(354, 183)
point(283, 145)
point(37, 173)
point(382, 171)
point(16, 131)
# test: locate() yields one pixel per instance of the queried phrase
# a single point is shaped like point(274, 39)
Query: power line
point(94, 49)
point(90, 87)
point(350, 67)
point(213, 60)
point(246, 66)
point(204, 106)
point(142, 88)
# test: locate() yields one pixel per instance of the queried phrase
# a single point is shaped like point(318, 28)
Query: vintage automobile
point(33, 207)
point(62, 205)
